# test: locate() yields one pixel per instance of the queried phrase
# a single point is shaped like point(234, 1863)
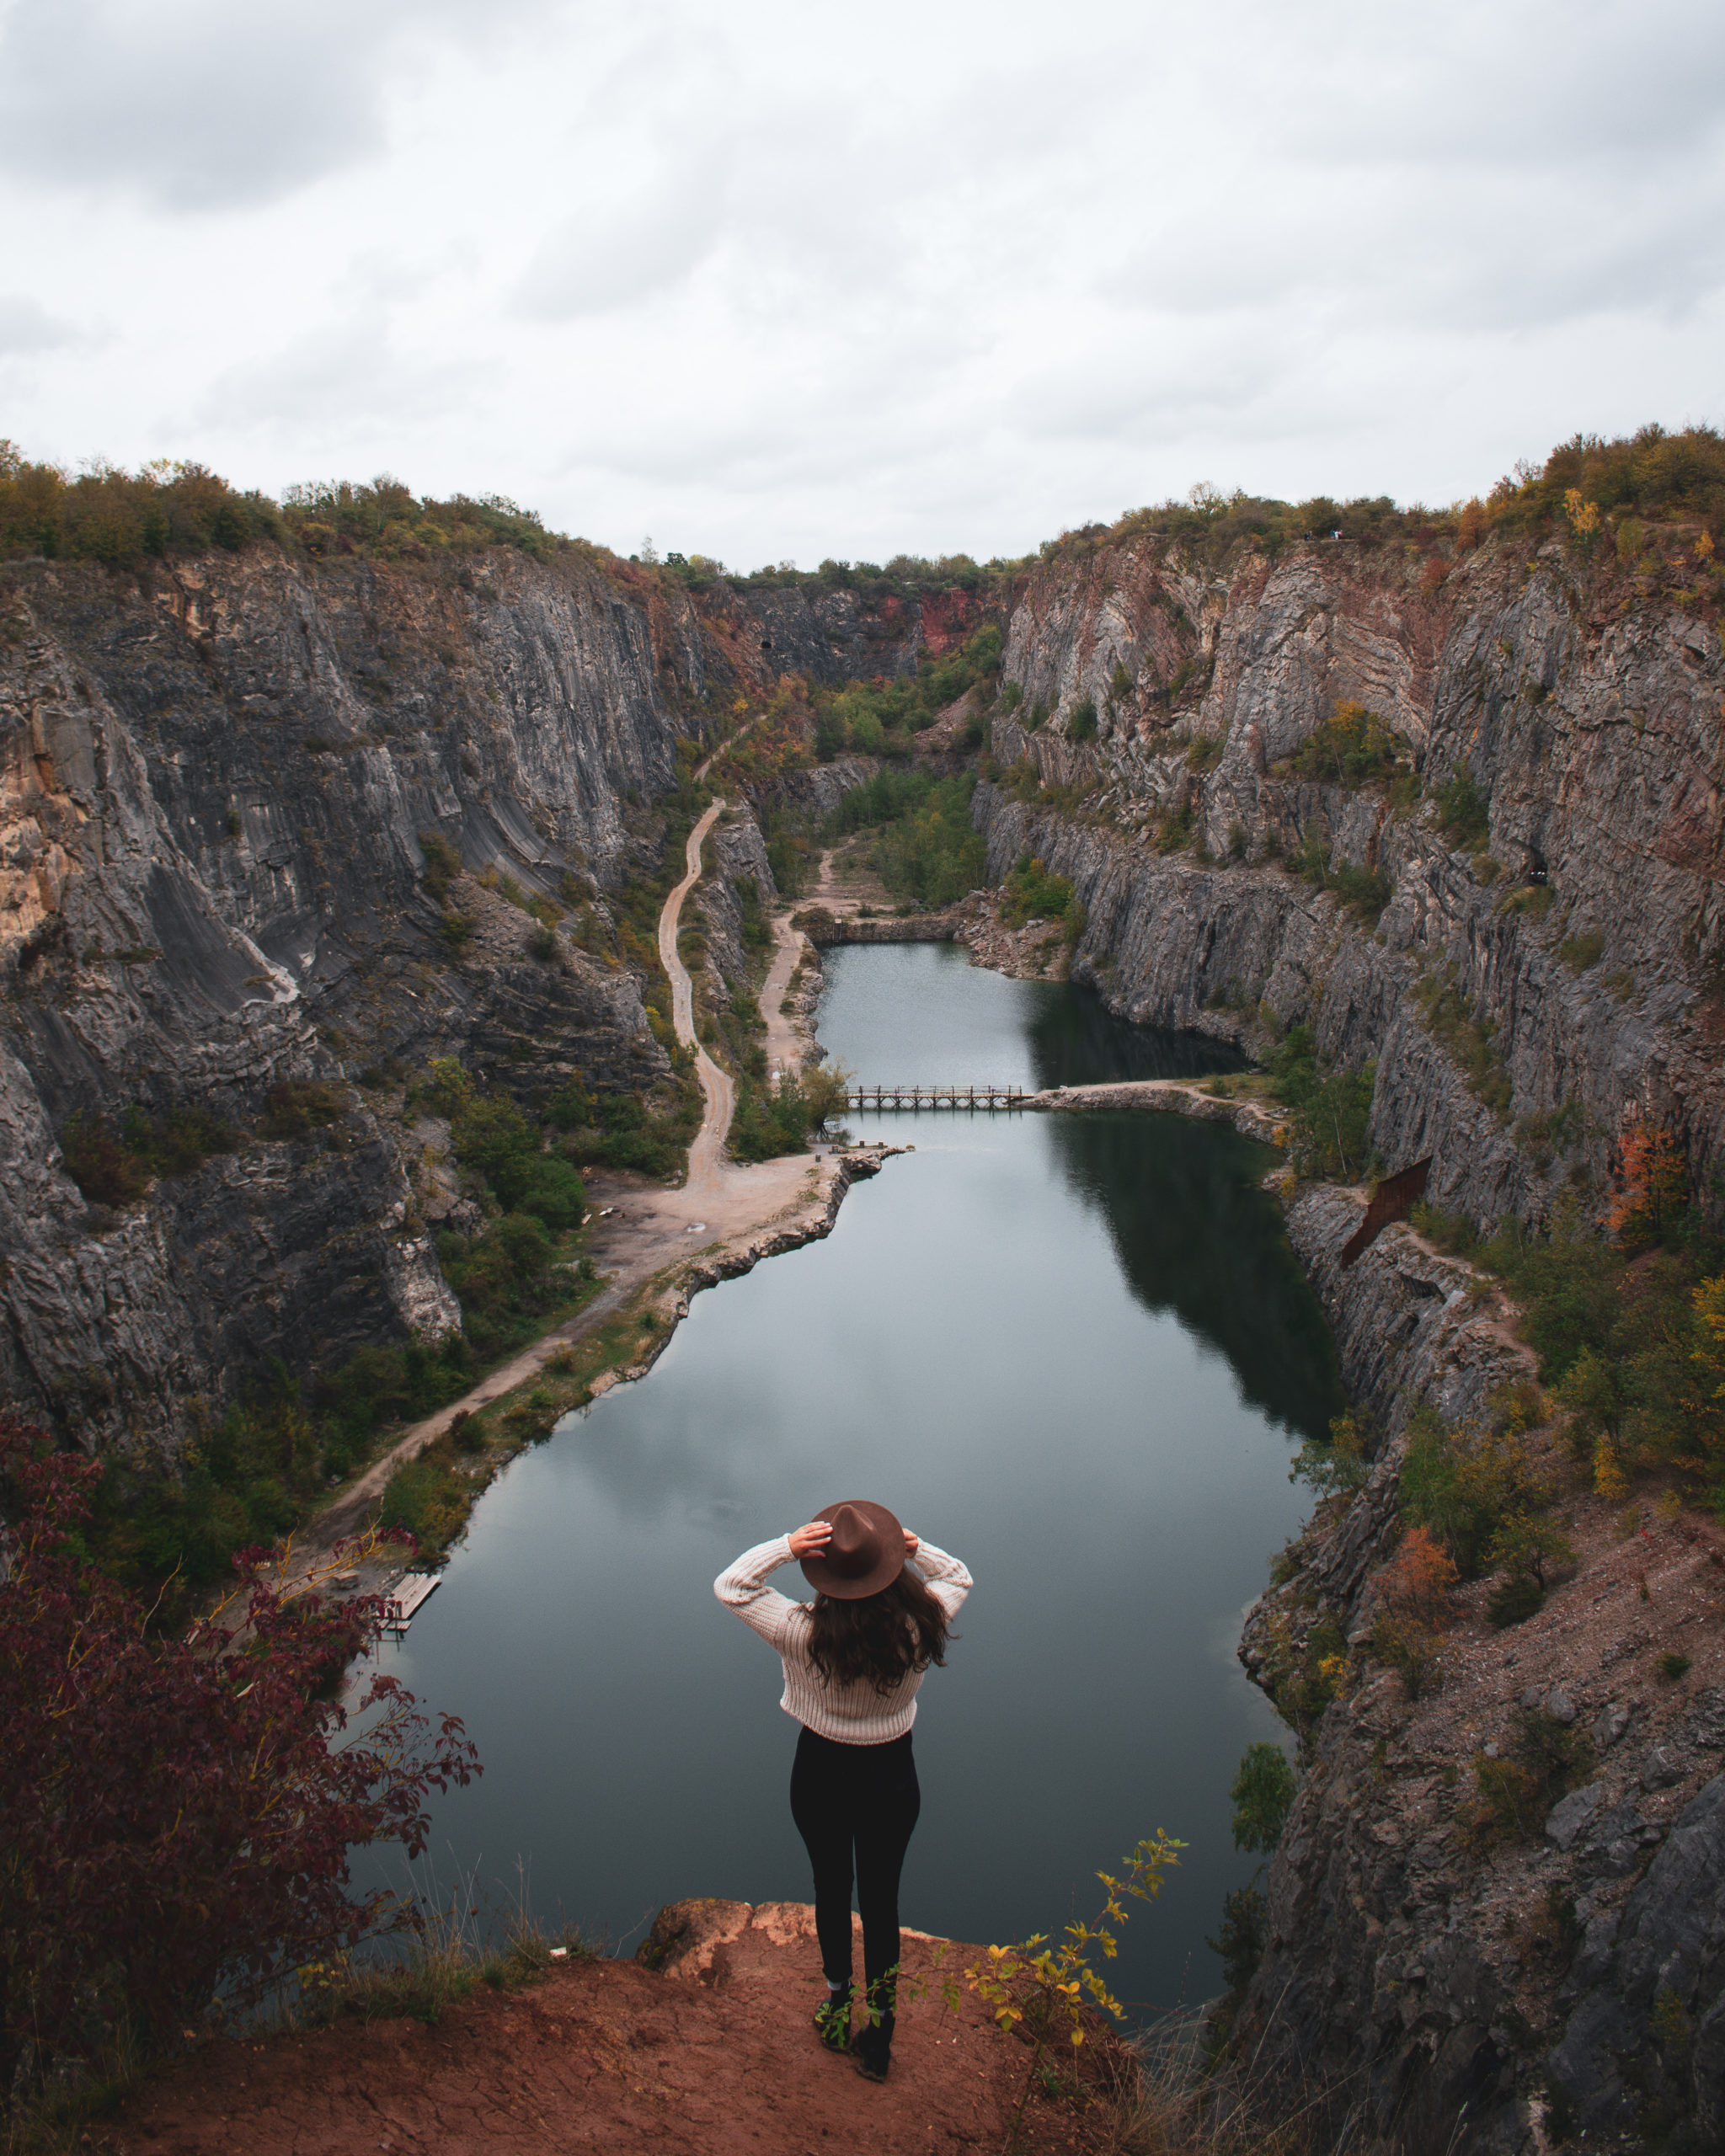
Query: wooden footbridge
point(884, 1098)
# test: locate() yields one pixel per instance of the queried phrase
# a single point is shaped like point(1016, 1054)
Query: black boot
point(872, 2047)
point(832, 2021)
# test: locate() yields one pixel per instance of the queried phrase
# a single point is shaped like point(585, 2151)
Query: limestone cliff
point(215, 774)
point(1571, 950)
point(1420, 1962)
point(1528, 984)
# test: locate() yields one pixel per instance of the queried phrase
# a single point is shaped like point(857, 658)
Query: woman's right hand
point(808, 1539)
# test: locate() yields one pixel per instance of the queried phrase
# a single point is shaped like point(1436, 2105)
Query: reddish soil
point(714, 2055)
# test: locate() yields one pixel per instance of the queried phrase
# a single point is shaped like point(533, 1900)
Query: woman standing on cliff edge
point(854, 1661)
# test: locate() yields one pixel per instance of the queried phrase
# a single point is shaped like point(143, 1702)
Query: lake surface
point(1075, 1351)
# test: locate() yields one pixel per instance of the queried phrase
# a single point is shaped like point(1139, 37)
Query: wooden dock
point(885, 1098)
point(405, 1597)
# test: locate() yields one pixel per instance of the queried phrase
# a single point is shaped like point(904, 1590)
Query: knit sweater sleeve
point(946, 1579)
point(742, 1586)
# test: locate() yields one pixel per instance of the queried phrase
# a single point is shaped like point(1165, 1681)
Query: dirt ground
point(714, 2055)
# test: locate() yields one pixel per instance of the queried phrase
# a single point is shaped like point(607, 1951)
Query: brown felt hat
point(867, 1551)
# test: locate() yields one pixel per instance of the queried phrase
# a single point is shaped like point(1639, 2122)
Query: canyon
point(217, 776)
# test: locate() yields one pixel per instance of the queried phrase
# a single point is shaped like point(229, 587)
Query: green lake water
point(1075, 1351)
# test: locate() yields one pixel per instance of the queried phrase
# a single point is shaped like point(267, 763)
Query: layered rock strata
point(215, 776)
point(1520, 995)
point(1420, 1964)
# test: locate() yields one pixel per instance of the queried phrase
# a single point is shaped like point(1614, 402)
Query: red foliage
point(1417, 1583)
point(1656, 1184)
point(178, 1812)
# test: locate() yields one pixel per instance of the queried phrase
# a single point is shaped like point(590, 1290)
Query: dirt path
point(718, 1095)
point(725, 1216)
point(784, 1039)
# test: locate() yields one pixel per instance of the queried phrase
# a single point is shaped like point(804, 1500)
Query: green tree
point(1262, 1797)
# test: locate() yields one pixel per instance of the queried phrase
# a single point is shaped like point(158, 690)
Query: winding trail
point(718, 1095)
point(724, 1213)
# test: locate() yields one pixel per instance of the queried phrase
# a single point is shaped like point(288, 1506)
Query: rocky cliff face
point(214, 778)
point(1424, 1965)
point(1520, 995)
point(1529, 985)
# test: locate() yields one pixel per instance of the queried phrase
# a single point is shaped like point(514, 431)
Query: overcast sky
point(776, 281)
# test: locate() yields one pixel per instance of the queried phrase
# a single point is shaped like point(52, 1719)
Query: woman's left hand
point(808, 1539)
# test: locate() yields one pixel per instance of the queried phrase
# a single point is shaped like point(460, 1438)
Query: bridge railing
point(884, 1098)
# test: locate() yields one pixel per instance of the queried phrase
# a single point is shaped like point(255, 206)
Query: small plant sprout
point(1046, 1986)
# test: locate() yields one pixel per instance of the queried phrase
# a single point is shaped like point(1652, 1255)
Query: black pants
point(862, 1797)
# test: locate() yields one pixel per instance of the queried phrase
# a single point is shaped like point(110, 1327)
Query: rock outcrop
point(215, 776)
point(1520, 995)
point(1423, 1959)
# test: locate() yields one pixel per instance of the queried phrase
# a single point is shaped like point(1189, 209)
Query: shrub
point(1463, 811)
point(1514, 1600)
point(1350, 749)
point(427, 1497)
point(1330, 1127)
point(1529, 1552)
point(1239, 1942)
point(1452, 1022)
point(1081, 724)
point(542, 942)
point(1673, 1665)
point(618, 1130)
point(1030, 891)
point(1464, 1484)
point(1262, 1797)
point(1418, 1584)
point(299, 1106)
point(1412, 1649)
point(178, 1819)
point(98, 1164)
point(770, 1123)
point(1516, 1792)
point(1336, 1466)
point(1581, 952)
point(1655, 1185)
point(112, 1170)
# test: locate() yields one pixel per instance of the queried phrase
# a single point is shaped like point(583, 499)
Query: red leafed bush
point(178, 1812)
point(1655, 1184)
point(1417, 1583)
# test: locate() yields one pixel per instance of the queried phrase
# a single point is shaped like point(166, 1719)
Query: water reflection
point(1076, 1040)
point(1195, 1234)
point(1070, 1349)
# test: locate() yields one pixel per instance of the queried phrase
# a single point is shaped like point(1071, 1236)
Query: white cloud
point(26, 326)
point(612, 254)
point(781, 282)
point(201, 103)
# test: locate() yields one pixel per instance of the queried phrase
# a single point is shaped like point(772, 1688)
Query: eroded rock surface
point(1577, 937)
point(214, 775)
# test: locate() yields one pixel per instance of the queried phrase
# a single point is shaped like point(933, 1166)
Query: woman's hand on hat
point(911, 1544)
point(808, 1539)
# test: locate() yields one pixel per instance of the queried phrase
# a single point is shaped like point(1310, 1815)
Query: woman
point(853, 1662)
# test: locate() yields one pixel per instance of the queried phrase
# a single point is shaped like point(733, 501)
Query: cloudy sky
point(778, 281)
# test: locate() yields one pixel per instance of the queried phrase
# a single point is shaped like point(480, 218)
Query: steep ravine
point(1510, 1993)
point(214, 776)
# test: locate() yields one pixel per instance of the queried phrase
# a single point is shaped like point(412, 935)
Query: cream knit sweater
point(850, 1714)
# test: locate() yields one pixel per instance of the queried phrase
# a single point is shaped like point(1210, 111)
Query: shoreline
point(640, 1236)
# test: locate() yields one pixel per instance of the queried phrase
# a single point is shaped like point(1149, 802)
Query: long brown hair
point(882, 1638)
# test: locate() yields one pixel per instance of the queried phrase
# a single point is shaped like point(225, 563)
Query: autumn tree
point(178, 1810)
point(1655, 1185)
